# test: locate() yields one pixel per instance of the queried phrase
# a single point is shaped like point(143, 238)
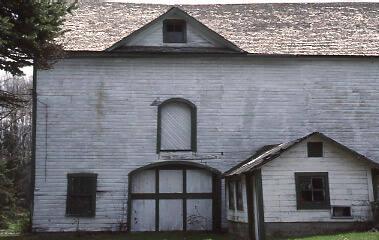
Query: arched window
point(176, 125)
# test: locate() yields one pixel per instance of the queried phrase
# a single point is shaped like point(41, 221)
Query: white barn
point(133, 128)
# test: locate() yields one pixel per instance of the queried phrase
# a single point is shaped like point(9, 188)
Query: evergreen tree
point(28, 29)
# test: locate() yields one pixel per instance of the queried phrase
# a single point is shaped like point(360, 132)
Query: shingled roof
point(270, 152)
point(295, 29)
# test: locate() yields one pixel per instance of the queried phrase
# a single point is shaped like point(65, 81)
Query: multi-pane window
point(174, 31)
point(176, 126)
point(315, 149)
point(239, 192)
point(235, 194)
point(81, 194)
point(312, 190)
point(231, 194)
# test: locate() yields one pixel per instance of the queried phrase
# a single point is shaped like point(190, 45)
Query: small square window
point(174, 31)
point(315, 149)
point(81, 194)
point(341, 212)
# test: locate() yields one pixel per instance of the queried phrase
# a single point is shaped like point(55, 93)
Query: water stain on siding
point(100, 108)
point(100, 97)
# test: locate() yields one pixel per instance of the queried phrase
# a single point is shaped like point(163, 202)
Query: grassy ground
point(119, 236)
point(175, 236)
point(345, 236)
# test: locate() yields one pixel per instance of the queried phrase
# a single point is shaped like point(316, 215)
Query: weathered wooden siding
point(348, 184)
point(99, 118)
point(176, 127)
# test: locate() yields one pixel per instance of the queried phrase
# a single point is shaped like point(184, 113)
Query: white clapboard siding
point(348, 184)
point(101, 119)
point(175, 126)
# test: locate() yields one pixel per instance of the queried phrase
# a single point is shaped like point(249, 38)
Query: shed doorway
point(174, 196)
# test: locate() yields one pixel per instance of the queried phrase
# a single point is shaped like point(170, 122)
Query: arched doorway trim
point(184, 197)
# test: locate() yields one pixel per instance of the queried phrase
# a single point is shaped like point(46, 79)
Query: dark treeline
point(15, 147)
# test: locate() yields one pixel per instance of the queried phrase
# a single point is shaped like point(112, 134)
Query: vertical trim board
point(260, 210)
point(250, 205)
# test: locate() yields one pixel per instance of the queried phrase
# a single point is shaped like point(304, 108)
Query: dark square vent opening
point(341, 212)
point(174, 31)
point(315, 149)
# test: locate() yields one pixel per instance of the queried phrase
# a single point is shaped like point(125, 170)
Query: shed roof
point(277, 28)
point(270, 152)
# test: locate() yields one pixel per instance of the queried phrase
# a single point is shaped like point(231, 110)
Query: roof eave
point(89, 53)
point(234, 171)
point(181, 13)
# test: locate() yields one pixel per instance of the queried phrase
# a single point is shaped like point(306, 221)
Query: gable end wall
point(349, 184)
point(98, 115)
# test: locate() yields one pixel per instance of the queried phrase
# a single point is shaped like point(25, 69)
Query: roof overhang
point(175, 11)
point(257, 161)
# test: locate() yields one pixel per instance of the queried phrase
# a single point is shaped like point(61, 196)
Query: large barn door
point(170, 210)
point(174, 197)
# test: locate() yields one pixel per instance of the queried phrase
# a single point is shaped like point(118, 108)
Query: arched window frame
point(193, 124)
point(178, 165)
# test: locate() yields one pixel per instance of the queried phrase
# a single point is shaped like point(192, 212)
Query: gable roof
point(270, 152)
point(183, 15)
point(278, 28)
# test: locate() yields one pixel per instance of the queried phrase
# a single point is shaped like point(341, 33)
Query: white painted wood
point(171, 215)
point(371, 196)
point(256, 210)
point(143, 215)
point(170, 181)
point(144, 182)
point(101, 120)
point(199, 181)
point(176, 126)
point(153, 36)
point(199, 214)
point(348, 184)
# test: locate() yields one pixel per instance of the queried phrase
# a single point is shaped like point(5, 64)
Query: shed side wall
point(348, 184)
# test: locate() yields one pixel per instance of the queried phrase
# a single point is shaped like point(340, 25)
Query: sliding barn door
point(174, 199)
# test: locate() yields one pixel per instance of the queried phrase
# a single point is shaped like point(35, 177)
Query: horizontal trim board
point(237, 54)
point(171, 196)
point(184, 150)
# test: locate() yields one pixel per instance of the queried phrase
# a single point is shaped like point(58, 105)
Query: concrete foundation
point(299, 229)
point(238, 230)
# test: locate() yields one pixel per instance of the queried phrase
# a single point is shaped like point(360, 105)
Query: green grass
point(174, 236)
point(120, 236)
point(345, 236)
